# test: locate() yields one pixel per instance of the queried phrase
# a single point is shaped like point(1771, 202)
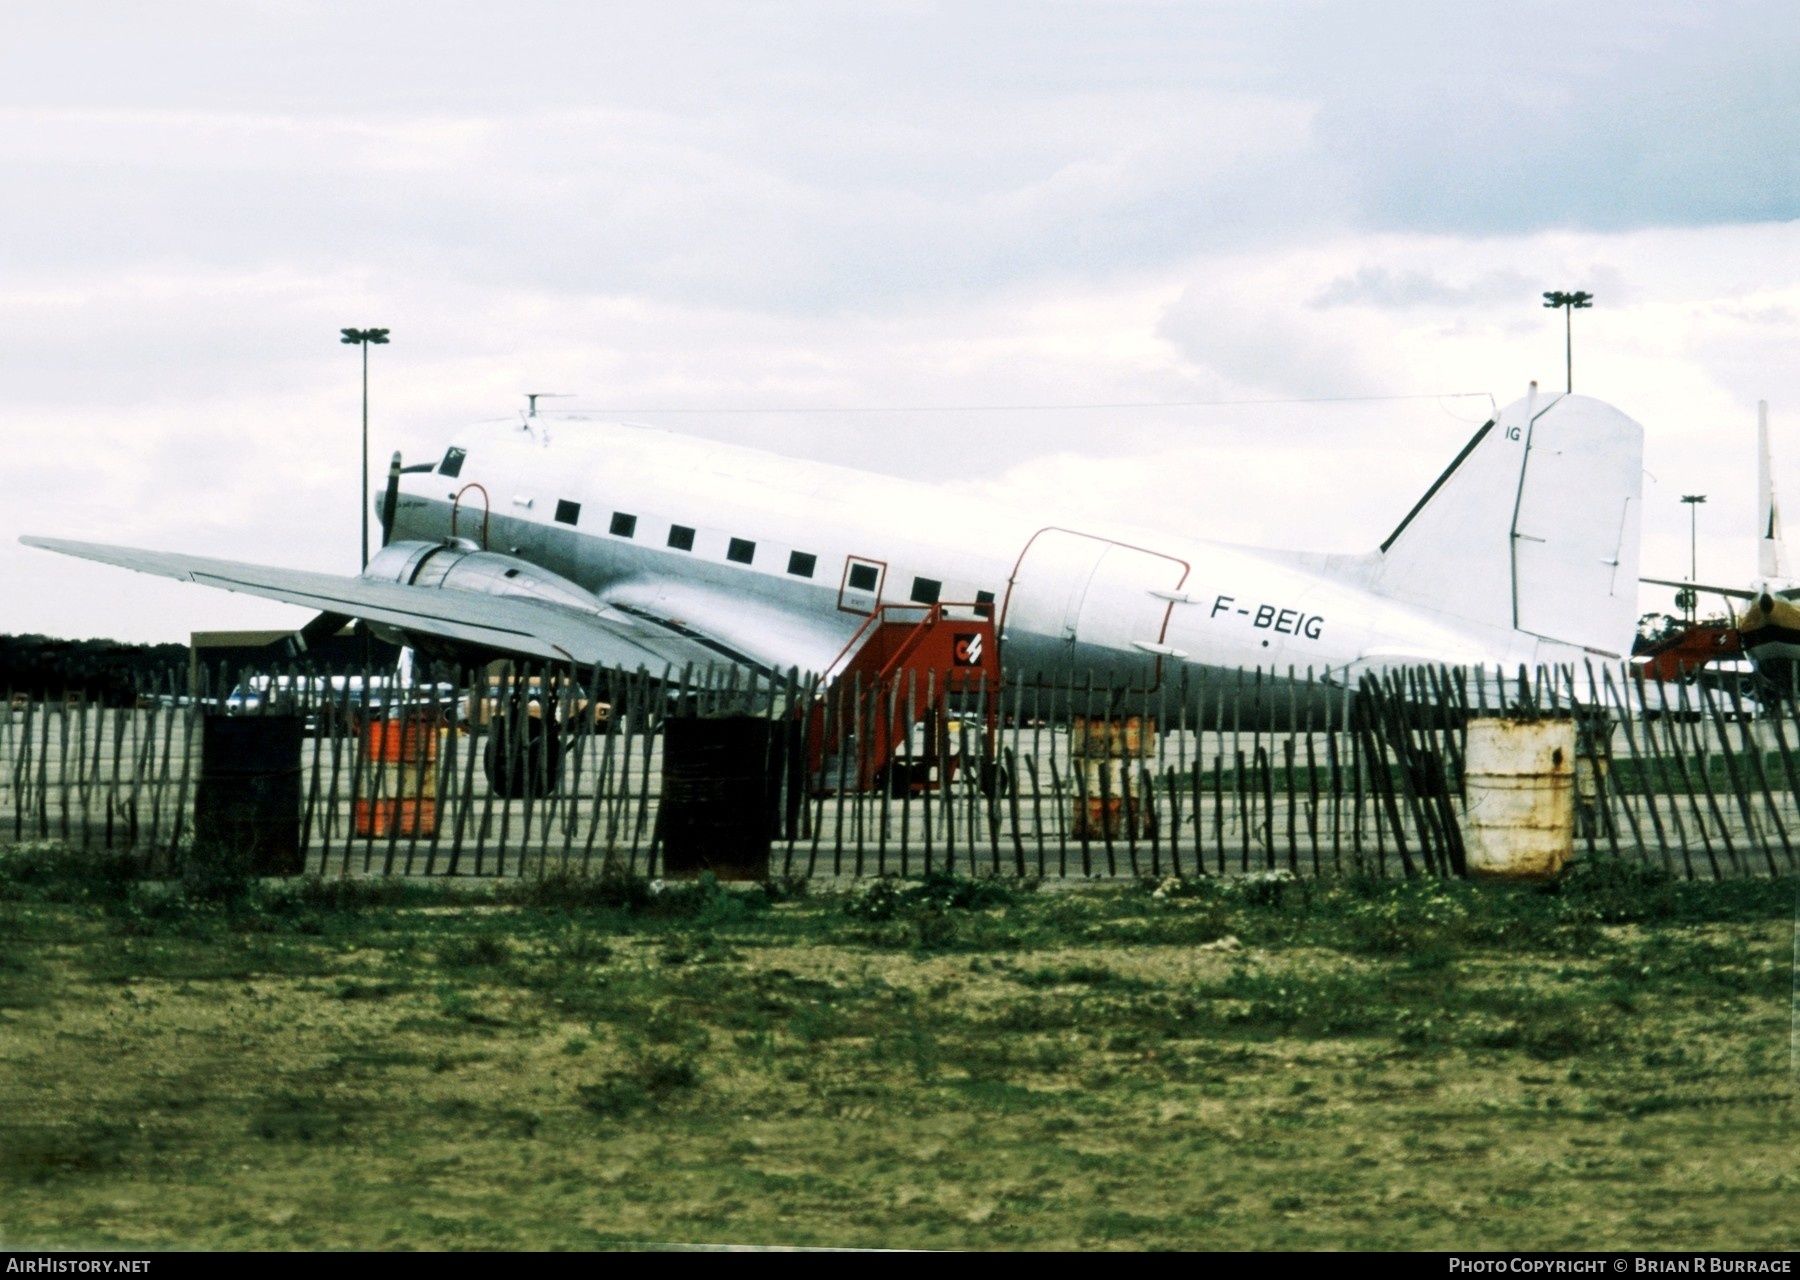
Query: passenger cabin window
point(623, 526)
point(801, 565)
point(567, 512)
point(984, 604)
point(681, 537)
point(863, 577)
point(741, 550)
point(926, 590)
point(452, 464)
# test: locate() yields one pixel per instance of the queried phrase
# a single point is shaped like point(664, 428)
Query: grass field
point(1260, 1063)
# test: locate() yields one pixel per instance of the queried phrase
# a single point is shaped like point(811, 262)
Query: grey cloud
point(808, 152)
point(1265, 348)
point(801, 160)
point(1382, 287)
point(146, 339)
point(607, 201)
point(1502, 118)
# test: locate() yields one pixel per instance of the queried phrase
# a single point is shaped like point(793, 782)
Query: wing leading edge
point(603, 636)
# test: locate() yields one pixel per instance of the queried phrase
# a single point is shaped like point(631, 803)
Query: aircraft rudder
point(1575, 537)
point(1533, 528)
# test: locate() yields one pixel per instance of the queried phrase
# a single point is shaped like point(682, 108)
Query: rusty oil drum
point(1519, 788)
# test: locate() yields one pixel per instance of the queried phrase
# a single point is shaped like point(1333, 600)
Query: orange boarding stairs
point(903, 666)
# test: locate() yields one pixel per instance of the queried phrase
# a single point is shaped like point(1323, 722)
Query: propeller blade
point(391, 499)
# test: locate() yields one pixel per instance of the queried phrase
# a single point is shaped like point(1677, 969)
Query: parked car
point(339, 704)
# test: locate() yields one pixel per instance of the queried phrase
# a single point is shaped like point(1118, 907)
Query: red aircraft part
point(905, 665)
point(1684, 653)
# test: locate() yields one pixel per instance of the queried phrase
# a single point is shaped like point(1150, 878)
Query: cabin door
point(859, 591)
point(1078, 603)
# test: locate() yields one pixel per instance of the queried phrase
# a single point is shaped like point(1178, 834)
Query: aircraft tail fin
point(1533, 527)
point(1772, 563)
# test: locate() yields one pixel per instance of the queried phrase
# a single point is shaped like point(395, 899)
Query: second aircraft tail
point(1772, 563)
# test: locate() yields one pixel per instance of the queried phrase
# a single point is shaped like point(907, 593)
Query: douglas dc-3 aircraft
point(593, 542)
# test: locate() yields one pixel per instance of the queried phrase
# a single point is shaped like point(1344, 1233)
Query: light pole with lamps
point(1569, 302)
point(364, 338)
point(1692, 502)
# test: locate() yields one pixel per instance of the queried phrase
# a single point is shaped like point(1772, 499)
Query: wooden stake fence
point(1261, 772)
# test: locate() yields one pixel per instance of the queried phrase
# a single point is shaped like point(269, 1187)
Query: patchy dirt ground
point(1325, 1067)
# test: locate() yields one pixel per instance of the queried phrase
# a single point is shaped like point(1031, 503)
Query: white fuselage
point(790, 556)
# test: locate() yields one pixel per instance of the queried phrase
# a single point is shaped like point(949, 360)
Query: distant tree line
point(105, 670)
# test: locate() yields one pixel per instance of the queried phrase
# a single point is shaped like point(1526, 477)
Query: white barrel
point(1519, 816)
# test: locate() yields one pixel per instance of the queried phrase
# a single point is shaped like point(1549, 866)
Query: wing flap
point(758, 633)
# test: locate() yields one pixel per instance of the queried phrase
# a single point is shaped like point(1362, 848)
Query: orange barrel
point(1097, 819)
point(1112, 806)
point(1112, 737)
point(399, 785)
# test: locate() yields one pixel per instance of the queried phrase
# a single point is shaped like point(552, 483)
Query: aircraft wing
point(742, 628)
point(1734, 593)
point(535, 628)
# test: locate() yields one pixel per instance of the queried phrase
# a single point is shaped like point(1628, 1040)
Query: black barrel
point(247, 801)
point(716, 810)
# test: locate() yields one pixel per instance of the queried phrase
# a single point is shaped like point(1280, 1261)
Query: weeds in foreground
point(1245, 1063)
point(654, 1079)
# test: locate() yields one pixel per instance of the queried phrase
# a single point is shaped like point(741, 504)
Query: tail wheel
point(522, 757)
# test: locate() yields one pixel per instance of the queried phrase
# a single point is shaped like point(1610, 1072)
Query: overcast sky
point(796, 214)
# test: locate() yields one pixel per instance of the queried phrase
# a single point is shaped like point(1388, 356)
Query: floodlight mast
point(365, 338)
point(1568, 302)
point(1693, 501)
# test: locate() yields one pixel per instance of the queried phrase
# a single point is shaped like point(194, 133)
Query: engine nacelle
point(457, 564)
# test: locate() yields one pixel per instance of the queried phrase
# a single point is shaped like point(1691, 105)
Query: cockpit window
point(452, 464)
